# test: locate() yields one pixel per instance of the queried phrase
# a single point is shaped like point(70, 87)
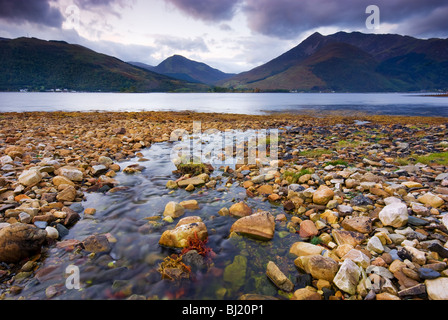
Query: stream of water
point(130, 268)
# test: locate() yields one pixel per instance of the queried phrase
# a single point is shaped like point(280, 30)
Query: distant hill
point(30, 63)
point(353, 62)
point(185, 69)
point(142, 65)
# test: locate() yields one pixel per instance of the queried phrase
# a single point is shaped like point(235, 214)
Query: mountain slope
point(353, 62)
point(142, 65)
point(182, 68)
point(41, 65)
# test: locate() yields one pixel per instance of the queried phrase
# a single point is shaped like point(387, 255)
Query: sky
point(230, 35)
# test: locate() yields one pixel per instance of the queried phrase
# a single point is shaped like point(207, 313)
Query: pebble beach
point(354, 208)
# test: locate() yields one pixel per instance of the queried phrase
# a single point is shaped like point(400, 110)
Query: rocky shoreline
point(368, 199)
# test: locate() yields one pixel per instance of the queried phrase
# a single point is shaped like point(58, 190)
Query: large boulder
point(259, 225)
point(394, 215)
point(20, 241)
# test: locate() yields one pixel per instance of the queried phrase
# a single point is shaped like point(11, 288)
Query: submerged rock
point(97, 243)
point(278, 277)
point(235, 273)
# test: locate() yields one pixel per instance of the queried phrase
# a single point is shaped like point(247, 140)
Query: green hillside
point(29, 63)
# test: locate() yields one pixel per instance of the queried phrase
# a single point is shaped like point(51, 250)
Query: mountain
point(353, 62)
point(142, 65)
point(179, 67)
point(30, 63)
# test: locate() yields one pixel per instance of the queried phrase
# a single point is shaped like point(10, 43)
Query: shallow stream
point(130, 268)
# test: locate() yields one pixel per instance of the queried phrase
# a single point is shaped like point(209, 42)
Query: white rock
point(445, 220)
point(52, 233)
point(442, 176)
point(437, 289)
point(308, 192)
point(30, 177)
point(25, 217)
point(71, 173)
point(394, 214)
point(374, 244)
point(417, 255)
point(357, 257)
point(391, 200)
point(258, 179)
point(6, 159)
point(348, 277)
point(381, 271)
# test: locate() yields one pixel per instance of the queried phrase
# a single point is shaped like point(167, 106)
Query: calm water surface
point(244, 103)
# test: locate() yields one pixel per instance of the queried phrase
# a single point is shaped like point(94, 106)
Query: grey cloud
point(208, 10)
point(35, 11)
point(288, 18)
point(103, 5)
point(185, 44)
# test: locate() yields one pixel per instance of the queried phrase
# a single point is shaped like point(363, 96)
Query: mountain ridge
point(40, 65)
point(341, 62)
point(395, 62)
point(182, 68)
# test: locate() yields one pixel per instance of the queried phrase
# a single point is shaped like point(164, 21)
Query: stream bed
point(130, 268)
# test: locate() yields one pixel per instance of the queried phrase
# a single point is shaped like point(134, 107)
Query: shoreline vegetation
point(368, 199)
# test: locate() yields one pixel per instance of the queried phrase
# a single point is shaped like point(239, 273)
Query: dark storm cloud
point(208, 10)
point(288, 18)
point(35, 11)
